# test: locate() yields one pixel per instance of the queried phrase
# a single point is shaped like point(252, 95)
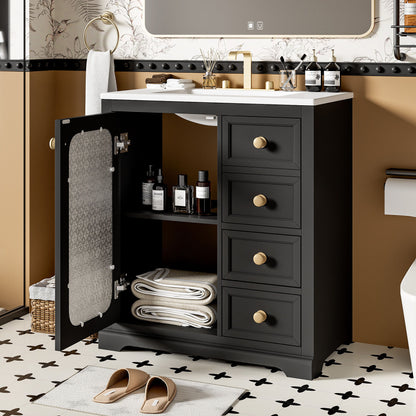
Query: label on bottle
point(410, 8)
point(158, 200)
point(202, 192)
point(180, 198)
point(147, 188)
point(332, 78)
point(313, 78)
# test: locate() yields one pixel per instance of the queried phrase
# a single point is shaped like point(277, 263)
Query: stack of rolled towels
point(175, 297)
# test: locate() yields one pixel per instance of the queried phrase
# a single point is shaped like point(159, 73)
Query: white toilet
point(408, 295)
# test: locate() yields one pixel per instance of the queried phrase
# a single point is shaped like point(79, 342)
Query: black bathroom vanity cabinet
point(283, 227)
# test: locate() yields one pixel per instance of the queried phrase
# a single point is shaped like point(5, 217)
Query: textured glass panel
point(90, 225)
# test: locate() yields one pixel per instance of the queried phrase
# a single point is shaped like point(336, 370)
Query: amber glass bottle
point(203, 194)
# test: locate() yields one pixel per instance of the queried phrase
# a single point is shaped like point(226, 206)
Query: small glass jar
point(288, 80)
point(209, 81)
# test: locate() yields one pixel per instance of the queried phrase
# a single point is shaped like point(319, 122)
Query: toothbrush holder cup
point(288, 80)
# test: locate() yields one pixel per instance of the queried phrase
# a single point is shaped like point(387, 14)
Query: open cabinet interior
point(166, 240)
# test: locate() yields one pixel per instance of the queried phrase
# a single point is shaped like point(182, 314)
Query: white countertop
point(230, 96)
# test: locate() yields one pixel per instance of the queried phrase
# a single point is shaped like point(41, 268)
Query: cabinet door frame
point(67, 334)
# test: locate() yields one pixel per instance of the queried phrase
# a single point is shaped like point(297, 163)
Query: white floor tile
point(351, 380)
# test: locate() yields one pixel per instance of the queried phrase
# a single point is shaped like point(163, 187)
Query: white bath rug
point(192, 398)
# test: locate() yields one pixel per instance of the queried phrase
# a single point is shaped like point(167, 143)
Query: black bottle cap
point(182, 180)
point(159, 176)
point(202, 176)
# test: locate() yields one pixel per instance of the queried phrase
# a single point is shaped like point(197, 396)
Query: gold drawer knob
point(260, 142)
point(259, 317)
point(259, 258)
point(260, 200)
point(52, 143)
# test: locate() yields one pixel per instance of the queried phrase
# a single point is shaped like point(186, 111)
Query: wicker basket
point(43, 316)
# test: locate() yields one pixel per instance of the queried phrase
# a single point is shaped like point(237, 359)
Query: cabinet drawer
point(282, 325)
point(281, 145)
point(261, 258)
point(279, 194)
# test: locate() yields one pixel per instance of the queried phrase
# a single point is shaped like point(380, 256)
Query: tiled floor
point(357, 379)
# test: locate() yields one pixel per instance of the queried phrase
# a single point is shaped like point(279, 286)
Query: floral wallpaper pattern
point(56, 31)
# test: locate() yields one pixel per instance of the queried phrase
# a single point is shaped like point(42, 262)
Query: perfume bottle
point(183, 196)
point(313, 76)
point(159, 192)
point(203, 194)
point(332, 76)
point(147, 187)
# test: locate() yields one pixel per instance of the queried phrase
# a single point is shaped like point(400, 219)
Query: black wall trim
point(12, 65)
point(222, 67)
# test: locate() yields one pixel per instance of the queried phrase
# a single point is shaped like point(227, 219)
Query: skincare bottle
point(313, 76)
point(410, 15)
point(183, 196)
point(332, 76)
point(159, 193)
point(203, 194)
point(147, 187)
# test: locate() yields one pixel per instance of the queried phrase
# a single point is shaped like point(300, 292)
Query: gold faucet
point(246, 68)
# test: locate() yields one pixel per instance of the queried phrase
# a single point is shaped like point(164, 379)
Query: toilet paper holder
point(408, 173)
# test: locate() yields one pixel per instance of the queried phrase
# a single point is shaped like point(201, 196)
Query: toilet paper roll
point(400, 197)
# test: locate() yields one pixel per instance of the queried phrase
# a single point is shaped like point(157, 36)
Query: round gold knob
point(260, 142)
point(259, 258)
point(260, 200)
point(259, 317)
point(52, 143)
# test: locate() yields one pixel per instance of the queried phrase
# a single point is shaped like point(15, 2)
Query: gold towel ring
point(108, 19)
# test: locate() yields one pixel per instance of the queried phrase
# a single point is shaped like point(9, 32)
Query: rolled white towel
point(174, 313)
point(193, 287)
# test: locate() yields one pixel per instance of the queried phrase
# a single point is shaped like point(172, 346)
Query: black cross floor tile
point(12, 412)
point(106, 358)
point(183, 369)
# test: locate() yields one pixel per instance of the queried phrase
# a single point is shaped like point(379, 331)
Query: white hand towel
point(174, 313)
point(100, 78)
point(192, 287)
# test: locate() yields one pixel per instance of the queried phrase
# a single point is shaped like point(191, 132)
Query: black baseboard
point(13, 314)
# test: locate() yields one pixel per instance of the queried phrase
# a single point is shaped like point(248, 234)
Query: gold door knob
point(259, 317)
point(260, 200)
point(260, 142)
point(52, 143)
point(259, 258)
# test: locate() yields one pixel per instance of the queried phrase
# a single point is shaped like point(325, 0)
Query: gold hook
point(107, 18)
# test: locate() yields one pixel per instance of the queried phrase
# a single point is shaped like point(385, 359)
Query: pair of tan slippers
point(159, 393)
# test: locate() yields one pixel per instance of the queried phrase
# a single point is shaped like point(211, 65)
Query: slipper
point(121, 383)
point(160, 392)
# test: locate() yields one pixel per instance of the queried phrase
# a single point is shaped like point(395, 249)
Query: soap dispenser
point(332, 76)
point(313, 75)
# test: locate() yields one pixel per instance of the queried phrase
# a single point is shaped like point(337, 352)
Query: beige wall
point(11, 189)
point(384, 136)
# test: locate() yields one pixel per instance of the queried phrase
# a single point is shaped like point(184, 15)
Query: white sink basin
point(237, 92)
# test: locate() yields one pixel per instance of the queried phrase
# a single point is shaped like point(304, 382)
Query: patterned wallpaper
point(56, 31)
